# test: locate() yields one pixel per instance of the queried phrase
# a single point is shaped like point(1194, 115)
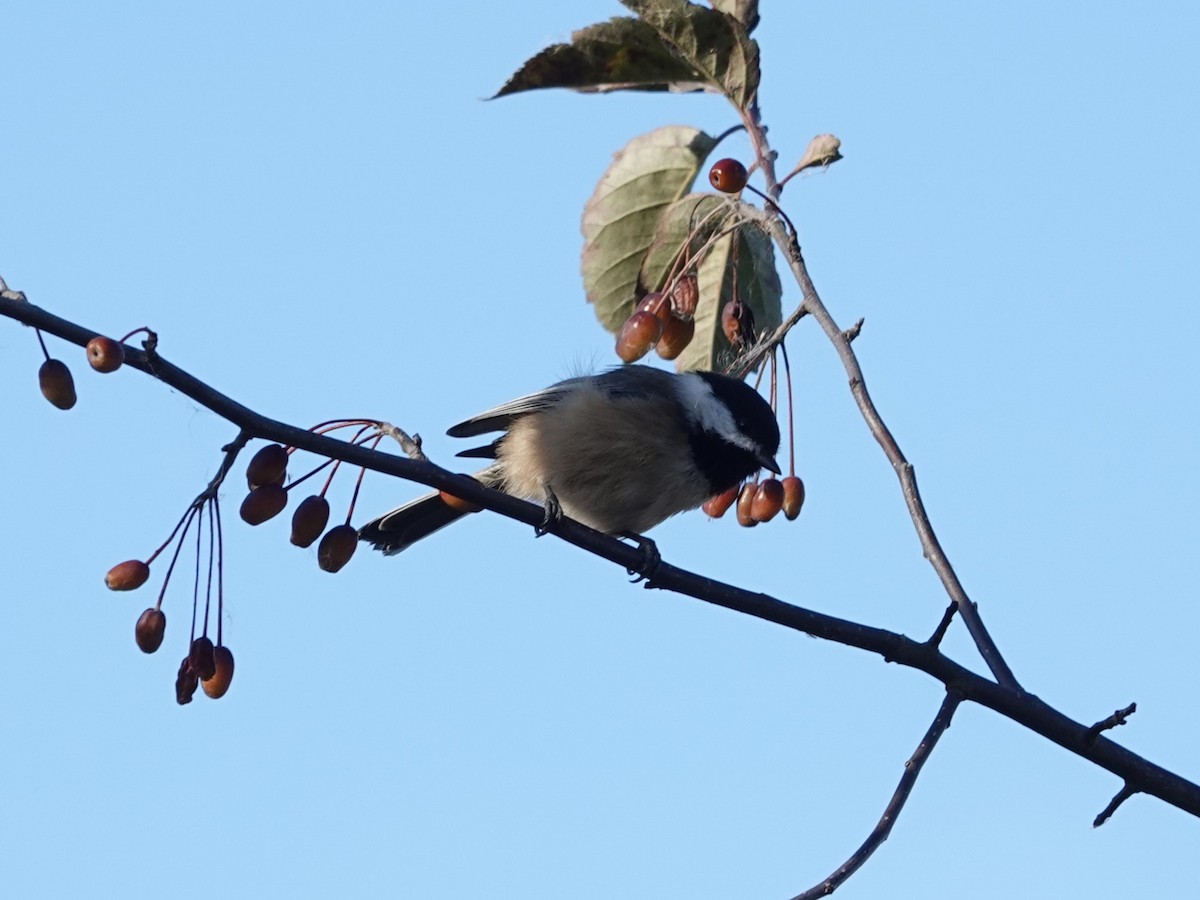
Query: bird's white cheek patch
point(709, 412)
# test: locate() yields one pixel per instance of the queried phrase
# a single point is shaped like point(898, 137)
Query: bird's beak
point(768, 463)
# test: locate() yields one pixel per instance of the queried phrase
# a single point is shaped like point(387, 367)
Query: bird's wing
point(500, 417)
point(621, 381)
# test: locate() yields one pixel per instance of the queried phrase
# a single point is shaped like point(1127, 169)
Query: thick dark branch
point(1015, 704)
point(883, 828)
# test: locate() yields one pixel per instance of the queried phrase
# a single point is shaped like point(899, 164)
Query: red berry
point(263, 503)
point(56, 383)
point(745, 505)
point(218, 684)
point(639, 333)
point(150, 628)
point(793, 496)
point(716, 506)
point(656, 302)
point(337, 547)
point(728, 176)
point(309, 520)
point(677, 334)
point(105, 354)
point(127, 576)
point(267, 466)
point(768, 500)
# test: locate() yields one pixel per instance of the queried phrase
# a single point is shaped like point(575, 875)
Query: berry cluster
point(662, 320)
point(206, 665)
point(759, 501)
point(266, 476)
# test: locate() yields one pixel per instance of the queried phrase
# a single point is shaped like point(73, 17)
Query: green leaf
point(745, 11)
point(683, 230)
point(622, 217)
point(714, 43)
point(674, 45)
point(621, 54)
point(758, 286)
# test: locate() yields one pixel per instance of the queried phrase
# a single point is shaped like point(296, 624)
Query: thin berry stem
point(216, 506)
point(187, 517)
point(187, 513)
point(196, 584)
point(787, 374)
point(358, 482)
point(775, 206)
point(335, 424)
point(125, 340)
point(212, 535)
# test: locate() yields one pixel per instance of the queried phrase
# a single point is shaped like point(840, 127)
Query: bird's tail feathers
point(405, 525)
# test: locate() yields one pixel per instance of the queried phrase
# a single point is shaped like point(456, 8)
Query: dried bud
point(823, 150)
point(737, 322)
point(685, 296)
point(186, 683)
point(200, 657)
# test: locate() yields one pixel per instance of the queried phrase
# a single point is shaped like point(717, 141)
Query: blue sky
point(317, 213)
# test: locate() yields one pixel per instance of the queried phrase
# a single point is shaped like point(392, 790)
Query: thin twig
point(1105, 814)
point(883, 828)
point(935, 639)
point(231, 451)
point(410, 445)
point(930, 545)
point(1117, 718)
point(812, 305)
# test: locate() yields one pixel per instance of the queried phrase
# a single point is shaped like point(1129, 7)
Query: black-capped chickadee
point(619, 452)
